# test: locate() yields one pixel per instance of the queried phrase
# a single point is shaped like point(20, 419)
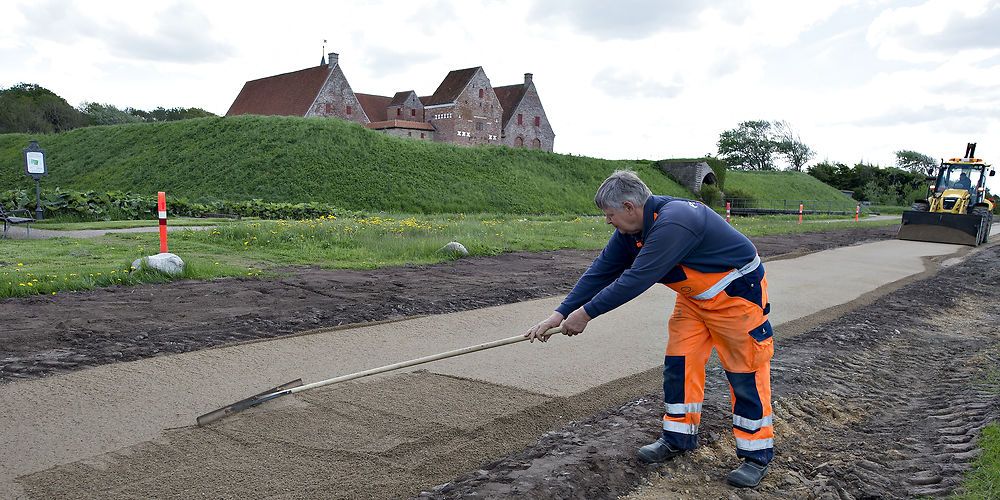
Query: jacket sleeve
point(604, 270)
point(665, 246)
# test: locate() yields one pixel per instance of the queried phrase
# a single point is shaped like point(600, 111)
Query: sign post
point(34, 165)
point(161, 212)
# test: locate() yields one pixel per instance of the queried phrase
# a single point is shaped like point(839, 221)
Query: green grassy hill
point(769, 186)
point(312, 159)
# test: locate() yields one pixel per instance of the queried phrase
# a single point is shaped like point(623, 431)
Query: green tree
point(107, 114)
point(31, 108)
point(749, 146)
point(914, 161)
point(790, 145)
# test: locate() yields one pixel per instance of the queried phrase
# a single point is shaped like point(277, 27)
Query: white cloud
point(936, 30)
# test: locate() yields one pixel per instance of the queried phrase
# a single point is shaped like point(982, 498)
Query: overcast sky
point(620, 79)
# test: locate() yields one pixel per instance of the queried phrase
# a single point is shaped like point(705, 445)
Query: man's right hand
point(536, 331)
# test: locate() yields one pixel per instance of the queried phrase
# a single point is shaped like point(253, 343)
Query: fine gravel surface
point(886, 401)
point(44, 335)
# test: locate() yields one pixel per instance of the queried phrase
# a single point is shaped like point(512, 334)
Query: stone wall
point(526, 133)
point(691, 174)
point(420, 135)
point(337, 99)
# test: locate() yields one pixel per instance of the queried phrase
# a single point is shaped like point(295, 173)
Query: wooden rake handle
point(419, 361)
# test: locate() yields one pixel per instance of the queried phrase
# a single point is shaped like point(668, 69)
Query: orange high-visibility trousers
point(734, 322)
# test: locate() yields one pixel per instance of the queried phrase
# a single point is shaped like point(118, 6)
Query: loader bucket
point(936, 227)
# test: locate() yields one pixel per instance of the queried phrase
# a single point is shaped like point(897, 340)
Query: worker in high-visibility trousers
point(721, 303)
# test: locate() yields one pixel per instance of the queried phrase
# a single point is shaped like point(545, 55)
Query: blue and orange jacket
point(679, 239)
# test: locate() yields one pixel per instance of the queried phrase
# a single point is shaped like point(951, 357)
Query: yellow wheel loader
point(956, 209)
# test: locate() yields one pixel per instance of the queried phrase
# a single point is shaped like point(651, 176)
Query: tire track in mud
point(885, 402)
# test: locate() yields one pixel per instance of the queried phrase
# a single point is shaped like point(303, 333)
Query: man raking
point(721, 303)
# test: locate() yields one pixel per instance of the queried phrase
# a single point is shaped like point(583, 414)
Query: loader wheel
point(920, 206)
point(987, 216)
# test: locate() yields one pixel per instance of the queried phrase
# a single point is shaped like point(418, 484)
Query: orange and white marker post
point(161, 208)
point(728, 206)
point(857, 213)
point(801, 207)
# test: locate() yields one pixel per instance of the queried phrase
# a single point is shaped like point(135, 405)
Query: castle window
point(482, 93)
point(520, 119)
point(421, 135)
point(329, 108)
point(538, 121)
point(519, 142)
point(410, 134)
point(479, 126)
point(413, 112)
point(399, 111)
point(536, 144)
point(349, 110)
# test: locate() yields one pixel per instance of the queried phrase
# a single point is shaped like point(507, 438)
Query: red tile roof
point(374, 106)
point(509, 96)
point(288, 94)
point(400, 124)
point(452, 86)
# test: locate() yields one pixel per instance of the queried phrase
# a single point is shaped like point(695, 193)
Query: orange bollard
point(801, 207)
point(161, 207)
point(728, 205)
point(857, 213)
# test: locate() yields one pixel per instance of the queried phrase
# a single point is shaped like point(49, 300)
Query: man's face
point(627, 219)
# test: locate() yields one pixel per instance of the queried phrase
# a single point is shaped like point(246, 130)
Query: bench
point(11, 218)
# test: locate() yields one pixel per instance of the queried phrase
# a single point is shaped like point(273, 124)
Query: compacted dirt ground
point(886, 401)
point(50, 334)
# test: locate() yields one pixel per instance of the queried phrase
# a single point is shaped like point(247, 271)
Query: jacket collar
point(650, 211)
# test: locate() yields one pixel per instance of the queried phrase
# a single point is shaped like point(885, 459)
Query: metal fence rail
point(749, 206)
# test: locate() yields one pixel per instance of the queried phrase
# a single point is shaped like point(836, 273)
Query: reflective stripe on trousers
point(727, 279)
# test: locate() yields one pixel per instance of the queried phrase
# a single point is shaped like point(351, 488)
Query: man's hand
point(536, 331)
point(576, 322)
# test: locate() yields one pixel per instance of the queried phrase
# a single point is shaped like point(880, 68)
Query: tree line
point(31, 108)
point(762, 145)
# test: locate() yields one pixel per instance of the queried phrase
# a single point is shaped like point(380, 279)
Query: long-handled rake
point(297, 386)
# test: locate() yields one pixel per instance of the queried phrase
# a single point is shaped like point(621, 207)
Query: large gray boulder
point(164, 262)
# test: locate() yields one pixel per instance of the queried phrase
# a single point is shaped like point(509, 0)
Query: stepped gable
point(510, 96)
point(288, 94)
point(451, 86)
point(374, 106)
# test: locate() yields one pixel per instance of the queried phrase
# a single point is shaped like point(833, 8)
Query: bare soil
point(43, 335)
point(886, 401)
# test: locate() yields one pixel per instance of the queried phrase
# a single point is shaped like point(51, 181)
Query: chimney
point(333, 58)
point(527, 78)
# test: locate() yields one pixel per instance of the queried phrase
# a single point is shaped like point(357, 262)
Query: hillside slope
point(771, 186)
point(314, 159)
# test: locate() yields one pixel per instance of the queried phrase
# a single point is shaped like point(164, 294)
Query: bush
point(80, 206)
point(711, 195)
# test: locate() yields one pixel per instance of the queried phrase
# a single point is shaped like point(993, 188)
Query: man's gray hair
point(621, 186)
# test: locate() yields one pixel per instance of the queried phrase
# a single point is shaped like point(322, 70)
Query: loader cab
point(966, 174)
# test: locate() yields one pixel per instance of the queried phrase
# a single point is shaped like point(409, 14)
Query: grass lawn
point(254, 248)
point(983, 481)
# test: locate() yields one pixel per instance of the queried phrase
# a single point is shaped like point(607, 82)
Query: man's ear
point(628, 206)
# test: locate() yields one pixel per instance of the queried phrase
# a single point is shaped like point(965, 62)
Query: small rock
point(164, 262)
point(455, 248)
point(592, 449)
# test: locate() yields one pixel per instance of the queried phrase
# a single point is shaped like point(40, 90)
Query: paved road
point(70, 417)
point(23, 233)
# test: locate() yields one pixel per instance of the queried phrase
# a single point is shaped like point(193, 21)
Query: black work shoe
point(747, 475)
point(658, 451)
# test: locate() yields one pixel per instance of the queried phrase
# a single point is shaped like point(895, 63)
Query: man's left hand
point(576, 322)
